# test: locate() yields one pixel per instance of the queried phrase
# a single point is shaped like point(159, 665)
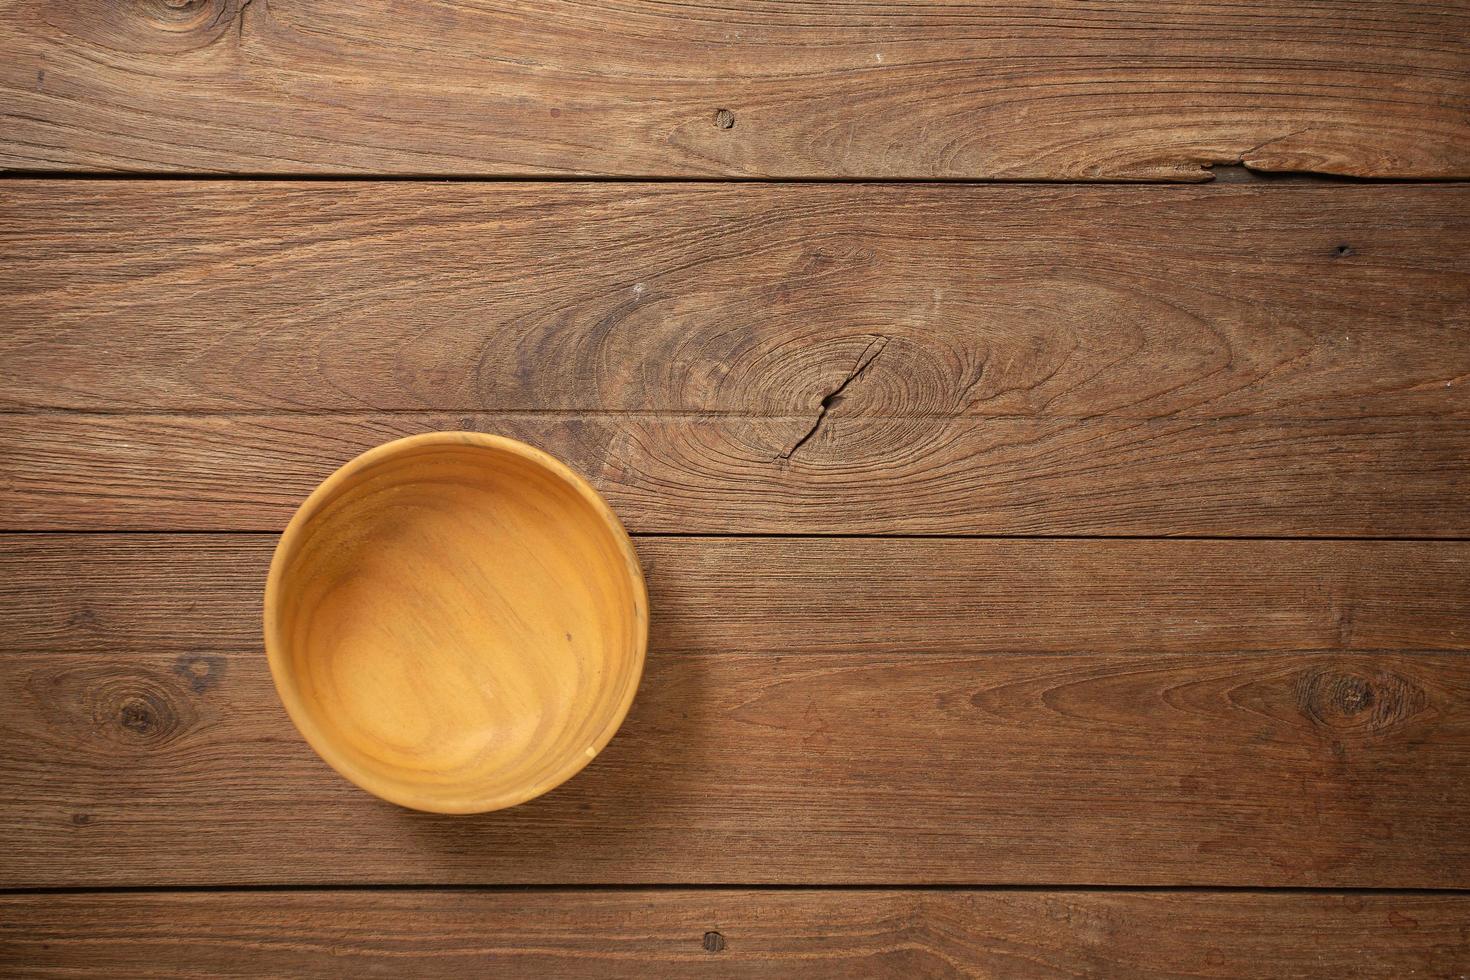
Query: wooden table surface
point(1045, 428)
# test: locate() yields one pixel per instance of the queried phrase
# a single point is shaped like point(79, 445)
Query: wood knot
point(189, 16)
point(144, 715)
point(714, 942)
point(724, 119)
point(106, 708)
point(1342, 251)
point(1345, 700)
point(146, 27)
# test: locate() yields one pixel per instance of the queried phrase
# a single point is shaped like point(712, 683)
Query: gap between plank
point(804, 535)
point(662, 414)
point(717, 887)
point(1223, 174)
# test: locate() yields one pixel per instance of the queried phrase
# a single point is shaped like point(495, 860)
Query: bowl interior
point(456, 622)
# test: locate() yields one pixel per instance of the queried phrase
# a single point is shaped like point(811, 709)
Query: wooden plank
point(828, 474)
point(1148, 90)
point(872, 711)
point(1261, 769)
point(200, 593)
point(1030, 302)
point(836, 934)
point(777, 359)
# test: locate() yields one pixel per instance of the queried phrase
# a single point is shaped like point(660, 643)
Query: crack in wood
point(868, 356)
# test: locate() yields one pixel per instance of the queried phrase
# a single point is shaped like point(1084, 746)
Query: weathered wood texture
point(997, 713)
point(1041, 303)
point(838, 934)
point(1150, 89)
point(202, 592)
point(767, 359)
point(1252, 360)
point(1329, 769)
point(1401, 477)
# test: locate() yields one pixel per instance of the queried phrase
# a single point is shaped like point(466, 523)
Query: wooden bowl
point(456, 622)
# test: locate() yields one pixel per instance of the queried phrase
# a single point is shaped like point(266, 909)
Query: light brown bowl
point(456, 622)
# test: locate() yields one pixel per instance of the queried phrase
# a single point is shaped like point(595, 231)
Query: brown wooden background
point(1045, 427)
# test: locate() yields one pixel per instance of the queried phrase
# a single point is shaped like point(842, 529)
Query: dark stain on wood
point(201, 672)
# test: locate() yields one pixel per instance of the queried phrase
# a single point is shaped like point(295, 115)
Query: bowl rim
point(275, 650)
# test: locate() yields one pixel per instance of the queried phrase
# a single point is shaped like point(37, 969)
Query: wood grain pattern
point(880, 934)
point(1258, 361)
point(456, 623)
point(1285, 302)
point(1322, 769)
point(715, 474)
point(1151, 89)
point(1108, 712)
point(1268, 359)
point(114, 594)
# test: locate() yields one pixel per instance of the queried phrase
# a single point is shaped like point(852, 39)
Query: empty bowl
point(456, 622)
